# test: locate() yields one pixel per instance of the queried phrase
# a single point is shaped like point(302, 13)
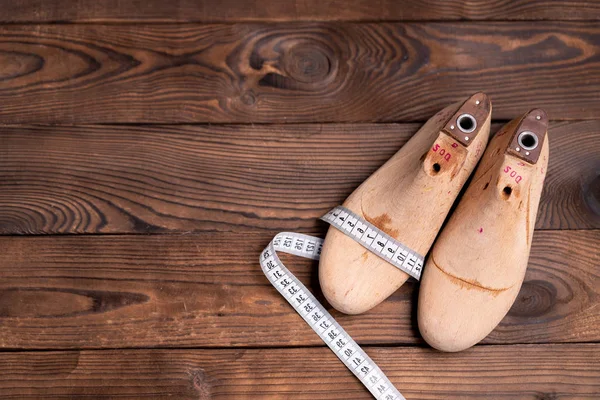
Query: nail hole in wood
point(507, 192)
point(436, 168)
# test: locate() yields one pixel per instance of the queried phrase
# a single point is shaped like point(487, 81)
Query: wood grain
point(293, 10)
point(293, 72)
point(580, 191)
point(495, 372)
point(207, 290)
point(121, 179)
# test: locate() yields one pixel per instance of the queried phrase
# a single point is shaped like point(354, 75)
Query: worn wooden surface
point(291, 10)
point(122, 179)
point(171, 290)
point(491, 372)
point(294, 72)
point(139, 141)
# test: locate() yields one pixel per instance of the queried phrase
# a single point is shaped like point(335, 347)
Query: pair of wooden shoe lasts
point(477, 265)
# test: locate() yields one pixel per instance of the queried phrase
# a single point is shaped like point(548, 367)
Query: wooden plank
point(121, 179)
point(301, 72)
point(288, 10)
point(498, 372)
point(196, 291)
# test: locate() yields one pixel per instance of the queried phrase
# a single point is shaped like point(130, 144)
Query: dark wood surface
point(293, 10)
point(144, 179)
point(140, 140)
point(491, 372)
point(172, 290)
point(294, 72)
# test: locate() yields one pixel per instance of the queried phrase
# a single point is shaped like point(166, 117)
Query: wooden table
point(141, 141)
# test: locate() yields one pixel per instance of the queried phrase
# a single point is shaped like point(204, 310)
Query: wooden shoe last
point(408, 198)
point(478, 262)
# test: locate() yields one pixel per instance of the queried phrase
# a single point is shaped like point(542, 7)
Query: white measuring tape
point(375, 240)
point(315, 315)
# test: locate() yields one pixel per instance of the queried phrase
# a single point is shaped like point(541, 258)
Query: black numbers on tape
point(300, 299)
point(288, 242)
point(313, 312)
point(277, 274)
point(375, 240)
point(285, 282)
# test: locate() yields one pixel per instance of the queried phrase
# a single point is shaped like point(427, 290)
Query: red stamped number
point(442, 151)
point(513, 174)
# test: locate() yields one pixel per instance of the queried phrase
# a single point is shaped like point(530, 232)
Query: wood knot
point(591, 194)
point(62, 302)
point(307, 63)
point(535, 299)
point(248, 98)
